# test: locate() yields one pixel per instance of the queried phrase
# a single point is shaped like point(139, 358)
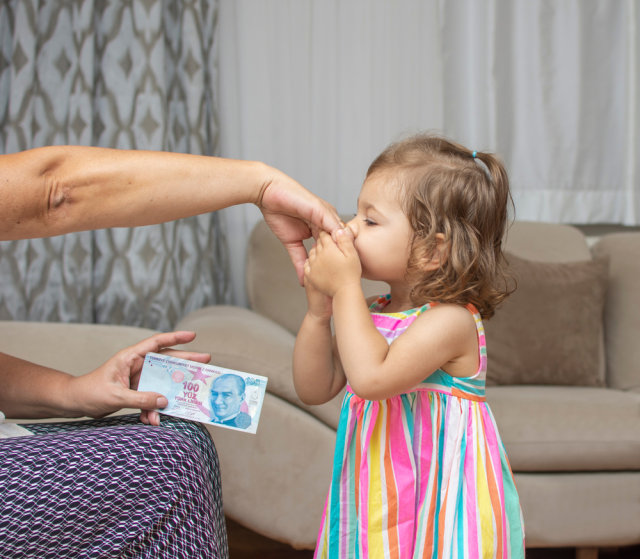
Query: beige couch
point(564, 369)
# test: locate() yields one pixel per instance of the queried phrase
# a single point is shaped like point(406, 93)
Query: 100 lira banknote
point(205, 393)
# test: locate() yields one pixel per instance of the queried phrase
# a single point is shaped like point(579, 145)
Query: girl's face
point(382, 232)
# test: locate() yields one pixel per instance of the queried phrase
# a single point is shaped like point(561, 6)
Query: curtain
point(553, 87)
point(319, 87)
point(126, 74)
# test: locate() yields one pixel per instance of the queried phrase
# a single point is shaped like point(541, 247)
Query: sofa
point(563, 383)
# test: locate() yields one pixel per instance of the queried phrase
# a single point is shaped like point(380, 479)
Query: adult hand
point(295, 214)
point(112, 386)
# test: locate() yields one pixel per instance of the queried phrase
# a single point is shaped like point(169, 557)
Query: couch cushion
point(549, 331)
point(70, 347)
point(272, 285)
point(622, 309)
point(589, 509)
point(560, 428)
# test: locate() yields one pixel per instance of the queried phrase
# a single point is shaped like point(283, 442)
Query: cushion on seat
point(562, 428)
point(549, 330)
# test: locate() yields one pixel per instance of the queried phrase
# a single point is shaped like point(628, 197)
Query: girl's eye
point(366, 220)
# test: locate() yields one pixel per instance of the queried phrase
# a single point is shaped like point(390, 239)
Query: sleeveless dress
point(421, 474)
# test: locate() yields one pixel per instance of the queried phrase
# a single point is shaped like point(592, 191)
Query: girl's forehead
point(380, 187)
point(382, 183)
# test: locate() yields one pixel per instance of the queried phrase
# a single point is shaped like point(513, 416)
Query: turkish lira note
point(205, 393)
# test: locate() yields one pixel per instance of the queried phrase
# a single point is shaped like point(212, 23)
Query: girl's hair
point(463, 195)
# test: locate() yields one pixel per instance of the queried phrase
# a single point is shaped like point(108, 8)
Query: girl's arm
point(443, 337)
point(317, 373)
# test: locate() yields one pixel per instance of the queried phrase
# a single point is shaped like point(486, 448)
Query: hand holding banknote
point(113, 385)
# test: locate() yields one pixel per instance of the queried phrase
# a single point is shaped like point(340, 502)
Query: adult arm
point(32, 391)
point(60, 189)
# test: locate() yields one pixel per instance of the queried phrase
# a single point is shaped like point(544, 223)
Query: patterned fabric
point(130, 75)
point(111, 488)
point(422, 474)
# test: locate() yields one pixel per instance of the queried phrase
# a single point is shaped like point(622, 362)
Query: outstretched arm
point(31, 391)
point(59, 189)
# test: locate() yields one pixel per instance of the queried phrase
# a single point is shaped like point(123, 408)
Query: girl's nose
point(353, 226)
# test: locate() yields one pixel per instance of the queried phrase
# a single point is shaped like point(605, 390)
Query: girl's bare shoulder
point(449, 320)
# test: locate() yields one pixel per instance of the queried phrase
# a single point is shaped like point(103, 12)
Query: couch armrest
point(275, 481)
point(240, 339)
point(69, 347)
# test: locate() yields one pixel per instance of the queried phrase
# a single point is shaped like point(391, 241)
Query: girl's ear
point(435, 258)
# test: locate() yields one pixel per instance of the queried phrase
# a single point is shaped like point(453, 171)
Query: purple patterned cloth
point(111, 488)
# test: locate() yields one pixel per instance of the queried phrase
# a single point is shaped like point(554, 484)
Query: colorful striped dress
point(421, 474)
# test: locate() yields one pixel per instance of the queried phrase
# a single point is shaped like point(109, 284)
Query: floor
point(244, 544)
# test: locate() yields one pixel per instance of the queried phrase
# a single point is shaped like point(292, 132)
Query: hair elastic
point(474, 154)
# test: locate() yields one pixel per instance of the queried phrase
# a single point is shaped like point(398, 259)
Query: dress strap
point(482, 342)
point(380, 303)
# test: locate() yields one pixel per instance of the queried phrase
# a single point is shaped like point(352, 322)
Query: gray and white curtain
point(135, 74)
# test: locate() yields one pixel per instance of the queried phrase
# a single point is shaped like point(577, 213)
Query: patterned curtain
point(135, 74)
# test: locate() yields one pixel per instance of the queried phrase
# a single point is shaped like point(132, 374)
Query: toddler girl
point(419, 468)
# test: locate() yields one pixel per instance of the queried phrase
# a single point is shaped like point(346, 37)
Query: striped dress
point(421, 474)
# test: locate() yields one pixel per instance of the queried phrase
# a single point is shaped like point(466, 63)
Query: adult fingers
point(298, 255)
point(331, 221)
point(142, 400)
point(188, 355)
point(150, 417)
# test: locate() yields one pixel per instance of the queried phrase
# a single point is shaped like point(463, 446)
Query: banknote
point(205, 393)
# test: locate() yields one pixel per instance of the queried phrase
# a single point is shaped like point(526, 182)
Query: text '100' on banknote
point(205, 393)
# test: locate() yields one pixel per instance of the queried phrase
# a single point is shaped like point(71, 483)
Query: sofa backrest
point(546, 242)
point(273, 289)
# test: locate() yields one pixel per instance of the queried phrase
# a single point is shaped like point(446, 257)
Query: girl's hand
point(333, 265)
point(112, 386)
